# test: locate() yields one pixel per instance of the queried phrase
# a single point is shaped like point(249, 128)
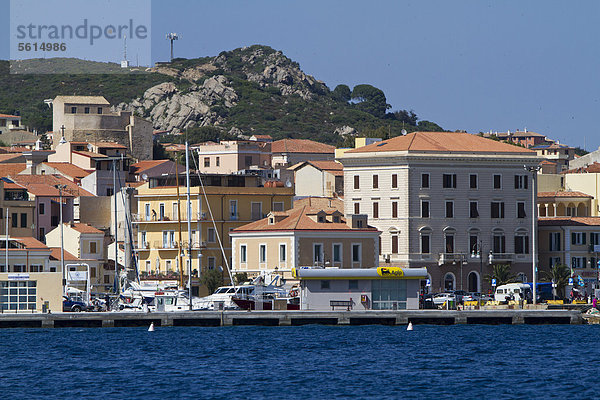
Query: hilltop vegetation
point(253, 90)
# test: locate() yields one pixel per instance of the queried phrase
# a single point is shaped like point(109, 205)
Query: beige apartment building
point(571, 241)
point(16, 205)
point(234, 200)
point(304, 237)
point(229, 156)
point(452, 202)
point(29, 283)
point(318, 178)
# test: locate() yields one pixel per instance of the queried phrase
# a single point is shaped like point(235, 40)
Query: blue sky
point(475, 65)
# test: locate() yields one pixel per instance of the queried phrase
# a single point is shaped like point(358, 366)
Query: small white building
point(359, 289)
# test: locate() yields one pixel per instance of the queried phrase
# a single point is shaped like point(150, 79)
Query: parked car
point(440, 298)
point(427, 302)
point(70, 305)
point(460, 294)
point(473, 296)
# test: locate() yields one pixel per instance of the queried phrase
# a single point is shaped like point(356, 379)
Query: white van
point(518, 290)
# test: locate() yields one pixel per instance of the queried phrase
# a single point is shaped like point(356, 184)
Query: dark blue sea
point(309, 362)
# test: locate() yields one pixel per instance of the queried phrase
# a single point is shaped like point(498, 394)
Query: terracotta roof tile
point(30, 243)
point(569, 221)
point(90, 154)
point(68, 169)
point(52, 180)
point(590, 169)
point(563, 193)
point(298, 219)
point(9, 116)
point(300, 146)
point(85, 228)
point(82, 100)
point(109, 145)
point(10, 157)
point(142, 166)
point(456, 142)
point(9, 170)
point(330, 166)
point(55, 255)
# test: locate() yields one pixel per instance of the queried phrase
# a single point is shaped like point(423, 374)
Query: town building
point(9, 122)
point(287, 152)
point(563, 203)
point(90, 119)
point(86, 243)
point(524, 138)
point(445, 201)
point(234, 200)
point(304, 237)
point(573, 242)
point(18, 208)
point(560, 154)
point(230, 156)
point(382, 288)
point(144, 170)
point(29, 282)
point(318, 178)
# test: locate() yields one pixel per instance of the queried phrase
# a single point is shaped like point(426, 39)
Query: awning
point(360, 273)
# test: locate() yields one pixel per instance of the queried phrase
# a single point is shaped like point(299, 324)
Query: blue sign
point(493, 281)
point(570, 281)
point(428, 282)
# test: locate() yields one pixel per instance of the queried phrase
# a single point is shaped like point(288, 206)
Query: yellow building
point(20, 207)
point(30, 280)
point(233, 201)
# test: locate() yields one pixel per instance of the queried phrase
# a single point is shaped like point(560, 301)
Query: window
point(42, 208)
point(86, 110)
point(473, 210)
point(578, 262)
point(352, 284)
point(356, 182)
point(206, 162)
point(143, 240)
point(233, 210)
point(147, 211)
point(212, 262)
point(317, 253)
point(449, 181)
point(356, 253)
point(424, 208)
point(168, 266)
point(449, 243)
point(473, 181)
point(14, 220)
point(99, 110)
point(473, 245)
point(23, 220)
point(578, 238)
point(93, 248)
point(325, 285)
point(425, 244)
point(375, 210)
point(256, 210)
point(375, 181)
point(278, 206)
point(337, 252)
point(424, 181)
point(148, 266)
point(394, 181)
point(161, 211)
point(175, 209)
point(552, 261)
point(521, 244)
point(282, 253)
point(218, 161)
point(262, 253)
point(521, 209)
point(109, 191)
point(594, 238)
point(243, 254)
point(395, 243)
point(18, 295)
point(210, 233)
point(554, 241)
point(449, 209)
point(499, 243)
point(497, 209)
point(394, 209)
point(73, 110)
point(521, 181)
point(497, 181)
point(356, 208)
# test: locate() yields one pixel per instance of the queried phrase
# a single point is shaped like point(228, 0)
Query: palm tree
point(502, 274)
point(560, 275)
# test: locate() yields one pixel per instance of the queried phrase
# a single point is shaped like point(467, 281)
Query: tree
point(46, 142)
point(427, 126)
point(158, 152)
point(240, 277)
point(370, 99)
point(560, 275)
point(408, 117)
point(342, 93)
point(502, 274)
point(212, 279)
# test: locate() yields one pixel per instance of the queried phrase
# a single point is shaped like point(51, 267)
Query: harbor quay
point(290, 318)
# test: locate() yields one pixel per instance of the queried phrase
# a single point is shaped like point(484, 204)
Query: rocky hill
point(241, 92)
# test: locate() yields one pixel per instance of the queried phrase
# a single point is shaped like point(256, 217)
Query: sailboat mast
point(189, 221)
point(179, 221)
point(6, 232)
point(114, 166)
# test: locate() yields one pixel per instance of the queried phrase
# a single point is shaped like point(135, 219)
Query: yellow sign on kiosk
point(390, 272)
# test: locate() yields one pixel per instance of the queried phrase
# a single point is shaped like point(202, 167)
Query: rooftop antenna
point(172, 37)
point(125, 62)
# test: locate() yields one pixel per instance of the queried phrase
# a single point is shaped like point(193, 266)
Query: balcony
point(502, 257)
point(167, 217)
point(451, 258)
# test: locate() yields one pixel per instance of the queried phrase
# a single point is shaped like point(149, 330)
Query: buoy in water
point(151, 328)
point(409, 327)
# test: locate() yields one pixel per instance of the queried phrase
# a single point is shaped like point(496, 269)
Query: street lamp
point(476, 253)
point(534, 170)
point(62, 243)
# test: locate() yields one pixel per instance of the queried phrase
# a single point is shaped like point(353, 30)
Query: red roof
point(55, 255)
point(592, 168)
point(142, 166)
point(300, 146)
point(298, 219)
point(456, 142)
point(52, 180)
point(6, 158)
point(85, 228)
point(30, 243)
point(9, 170)
point(569, 221)
point(563, 193)
point(68, 169)
point(9, 116)
point(109, 145)
point(332, 167)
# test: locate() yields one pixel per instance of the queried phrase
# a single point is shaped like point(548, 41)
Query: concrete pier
point(290, 318)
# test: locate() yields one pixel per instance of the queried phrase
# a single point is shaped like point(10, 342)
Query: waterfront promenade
point(290, 318)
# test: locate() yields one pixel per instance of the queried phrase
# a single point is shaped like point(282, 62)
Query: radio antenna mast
point(172, 37)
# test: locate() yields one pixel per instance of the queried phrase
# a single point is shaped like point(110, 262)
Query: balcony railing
point(167, 217)
point(499, 257)
point(451, 258)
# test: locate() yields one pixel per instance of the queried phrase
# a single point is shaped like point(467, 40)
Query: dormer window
point(336, 219)
point(271, 220)
point(321, 218)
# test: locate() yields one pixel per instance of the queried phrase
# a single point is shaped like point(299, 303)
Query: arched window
point(473, 282)
point(449, 281)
